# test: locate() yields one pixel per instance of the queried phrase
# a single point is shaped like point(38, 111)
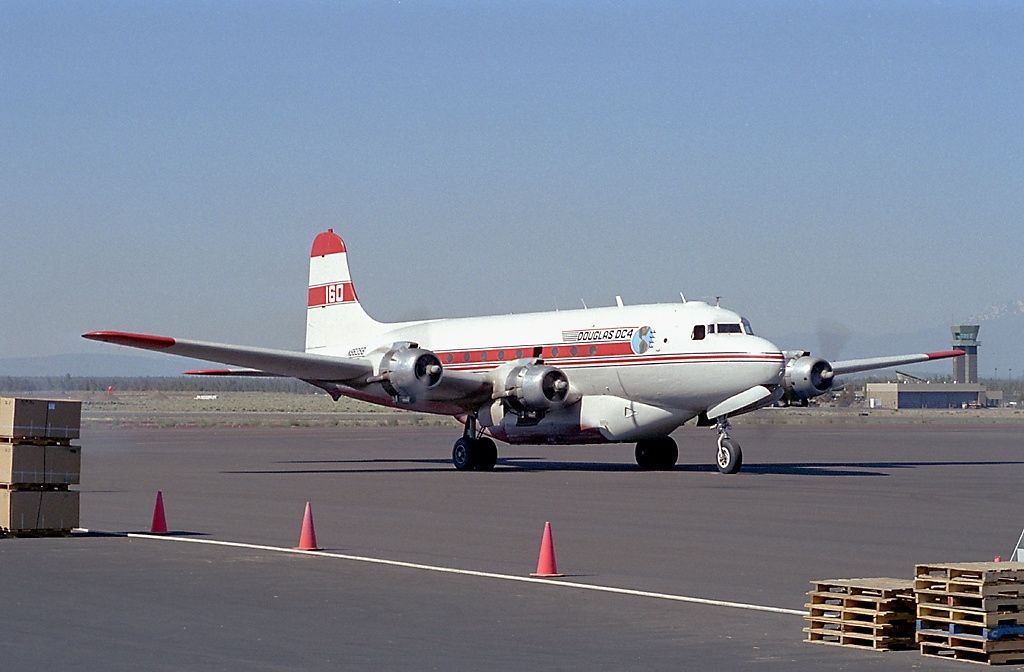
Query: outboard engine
point(407, 371)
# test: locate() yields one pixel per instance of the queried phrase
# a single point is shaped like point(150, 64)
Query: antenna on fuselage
point(682, 297)
point(584, 303)
point(618, 301)
point(718, 302)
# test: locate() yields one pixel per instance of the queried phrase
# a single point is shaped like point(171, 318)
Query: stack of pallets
point(875, 613)
point(971, 611)
point(37, 464)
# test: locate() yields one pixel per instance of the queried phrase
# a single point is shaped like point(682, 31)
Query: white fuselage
point(638, 370)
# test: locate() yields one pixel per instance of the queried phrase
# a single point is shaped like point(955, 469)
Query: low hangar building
point(935, 395)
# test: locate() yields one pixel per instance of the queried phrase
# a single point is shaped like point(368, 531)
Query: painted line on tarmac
point(484, 575)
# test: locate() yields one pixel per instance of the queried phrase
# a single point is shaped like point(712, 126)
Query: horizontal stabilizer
point(267, 362)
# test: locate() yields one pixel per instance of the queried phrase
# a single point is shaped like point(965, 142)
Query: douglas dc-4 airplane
point(599, 375)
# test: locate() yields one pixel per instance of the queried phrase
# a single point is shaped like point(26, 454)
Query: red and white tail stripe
point(334, 319)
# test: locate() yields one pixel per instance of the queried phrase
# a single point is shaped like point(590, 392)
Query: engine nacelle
point(537, 388)
point(807, 377)
point(408, 371)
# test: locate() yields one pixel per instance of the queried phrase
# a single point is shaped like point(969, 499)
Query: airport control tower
point(965, 337)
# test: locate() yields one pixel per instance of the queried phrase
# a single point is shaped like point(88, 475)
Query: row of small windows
point(501, 355)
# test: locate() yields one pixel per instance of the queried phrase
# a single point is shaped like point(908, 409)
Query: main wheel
point(465, 454)
point(730, 456)
point(486, 454)
point(660, 453)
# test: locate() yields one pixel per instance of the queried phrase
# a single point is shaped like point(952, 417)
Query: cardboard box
point(40, 418)
point(21, 463)
point(38, 510)
point(29, 464)
point(62, 465)
point(22, 418)
point(63, 419)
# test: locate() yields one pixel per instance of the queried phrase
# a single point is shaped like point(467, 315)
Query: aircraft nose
point(774, 361)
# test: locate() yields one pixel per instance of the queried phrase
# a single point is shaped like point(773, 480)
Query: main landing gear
point(730, 457)
point(473, 452)
point(658, 454)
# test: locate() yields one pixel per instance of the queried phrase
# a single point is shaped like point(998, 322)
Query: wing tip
point(148, 341)
point(945, 353)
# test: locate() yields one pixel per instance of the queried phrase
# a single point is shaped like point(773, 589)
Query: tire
point(657, 454)
point(465, 454)
point(668, 453)
point(644, 454)
point(730, 457)
point(487, 454)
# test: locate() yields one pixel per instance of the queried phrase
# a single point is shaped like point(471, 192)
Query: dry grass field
point(272, 409)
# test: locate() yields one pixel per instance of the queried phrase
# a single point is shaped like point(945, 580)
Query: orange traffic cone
point(159, 525)
point(307, 539)
point(546, 562)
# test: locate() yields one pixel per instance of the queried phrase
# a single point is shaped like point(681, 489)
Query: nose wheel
point(730, 457)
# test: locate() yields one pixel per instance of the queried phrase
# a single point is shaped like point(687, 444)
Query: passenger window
point(466, 357)
point(698, 332)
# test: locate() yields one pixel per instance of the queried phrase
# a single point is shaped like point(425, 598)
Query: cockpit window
point(711, 328)
point(698, 332)
point(729, 328)
point(746, 327)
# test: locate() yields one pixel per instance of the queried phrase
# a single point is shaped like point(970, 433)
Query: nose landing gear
point(730, 456)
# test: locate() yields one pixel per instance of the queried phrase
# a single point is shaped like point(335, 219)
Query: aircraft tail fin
point(334, 316)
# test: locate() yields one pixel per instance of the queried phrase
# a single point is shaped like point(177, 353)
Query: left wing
point(807, 377)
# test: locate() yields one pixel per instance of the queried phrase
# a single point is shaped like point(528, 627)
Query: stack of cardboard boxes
point(37, 464)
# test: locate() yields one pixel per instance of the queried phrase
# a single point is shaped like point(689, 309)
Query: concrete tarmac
point(811, 503)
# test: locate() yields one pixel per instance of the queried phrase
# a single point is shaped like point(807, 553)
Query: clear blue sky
point(164, 166)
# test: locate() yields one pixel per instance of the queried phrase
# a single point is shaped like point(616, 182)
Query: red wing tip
point(126, 338)
point(945, 353)
point(208, 372)
point(327, 242)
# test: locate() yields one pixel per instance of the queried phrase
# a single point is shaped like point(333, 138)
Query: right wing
point(461, 388)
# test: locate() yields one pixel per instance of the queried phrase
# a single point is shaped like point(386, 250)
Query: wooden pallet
point(984, 617)
point(36, 533)
point(972, 602)
point(977, 579)
point(35, 440)
point(938, 651)
point(873, 613)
